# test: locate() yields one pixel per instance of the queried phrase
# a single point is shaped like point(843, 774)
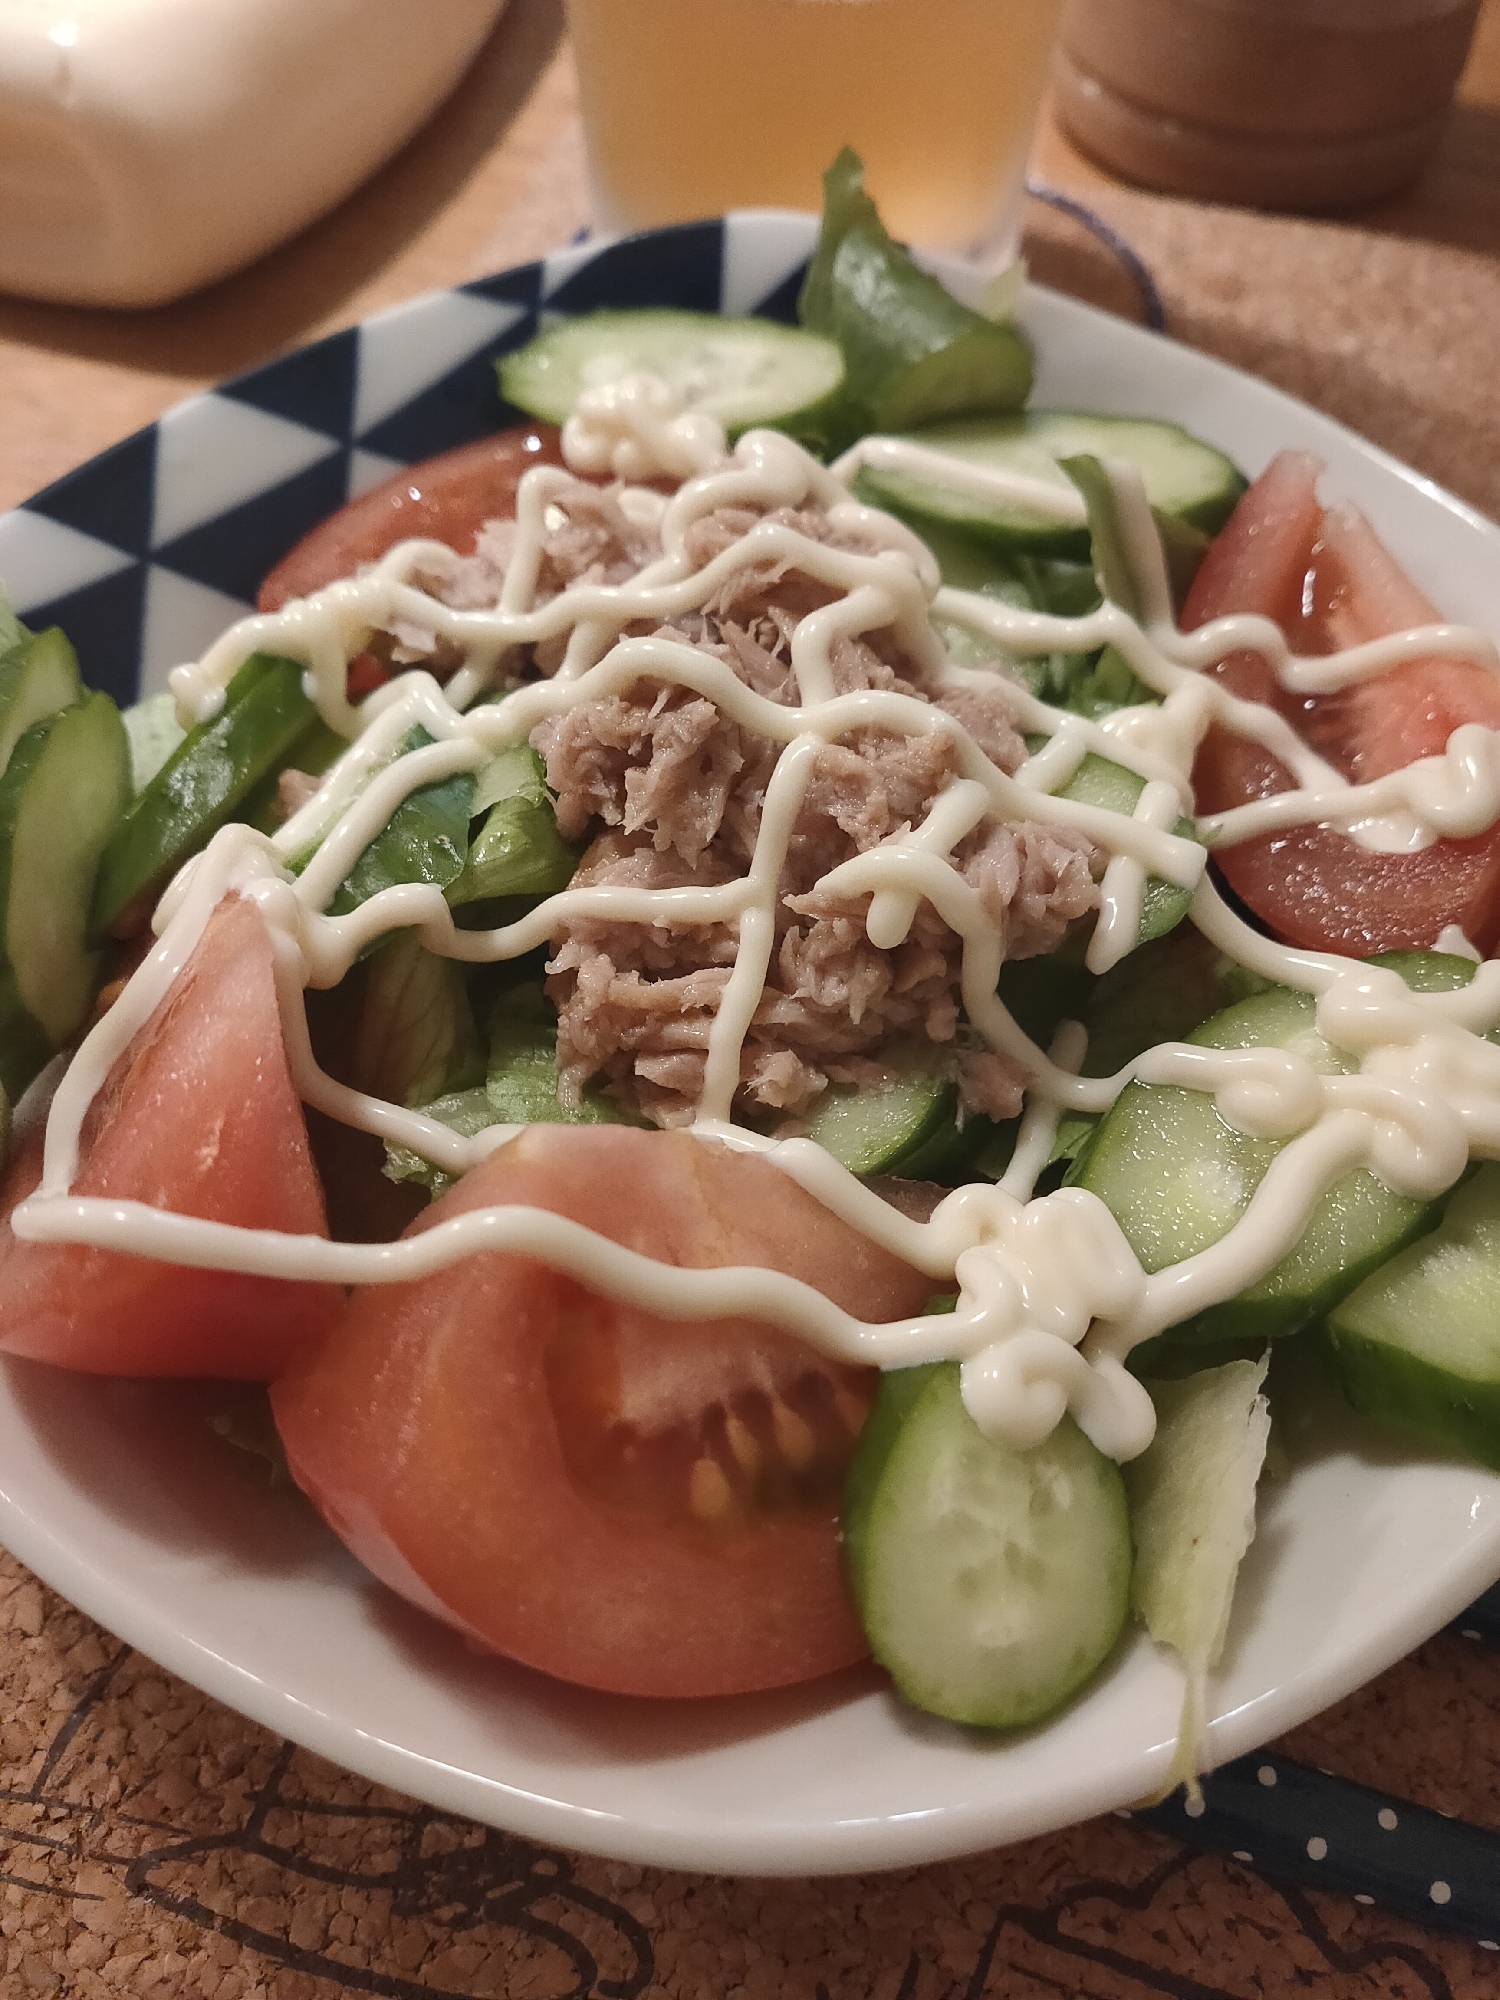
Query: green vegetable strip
point(518, 851)
point(911, 352)
point(426, 839)
point(203, 782)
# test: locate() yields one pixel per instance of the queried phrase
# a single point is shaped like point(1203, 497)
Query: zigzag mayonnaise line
point(1051, 1298)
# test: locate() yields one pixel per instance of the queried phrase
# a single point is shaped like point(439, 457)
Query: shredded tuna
point(588, 539)
point(986, 713)
point(1033, 881)
point(989, 1084)
point(294, 790)
point(670, 793)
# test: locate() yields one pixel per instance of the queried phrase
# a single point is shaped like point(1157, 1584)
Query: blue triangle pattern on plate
point(781, 304)
point(426, 372)
point(313, 386)
point(415, 410)
point(233, 551)
point(112, 497)
point(669, 267)
point(103, 620)
point(463, 406)
point(521, 286)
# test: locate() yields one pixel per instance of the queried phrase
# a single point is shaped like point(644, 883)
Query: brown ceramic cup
point(1317, 105)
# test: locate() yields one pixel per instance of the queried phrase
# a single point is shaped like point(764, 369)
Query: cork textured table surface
point(154, 1844)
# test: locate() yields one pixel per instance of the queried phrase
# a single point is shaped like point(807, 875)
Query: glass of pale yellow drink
point(691, 107)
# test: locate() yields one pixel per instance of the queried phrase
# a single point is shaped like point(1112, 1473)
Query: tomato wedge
point(199, 1115)
point(1329, 581)
point(634, 1504)
point(444, 499)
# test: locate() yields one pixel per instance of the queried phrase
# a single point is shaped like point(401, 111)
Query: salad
point(965, 774)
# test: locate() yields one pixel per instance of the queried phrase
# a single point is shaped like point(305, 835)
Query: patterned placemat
point(154, 1845)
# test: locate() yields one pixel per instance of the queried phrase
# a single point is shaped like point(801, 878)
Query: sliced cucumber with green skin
point(1177, 1178)
point(24, 1048)
point(38, 676)
point(745, 372)
point(908, 1127)
point(312, 752)
point(1185, 477)
point(992, 1583)
point(871, 1131)
point(1430, 971)
point(1100, 782)
point(203, 783)
point(61, 798)
point(1418, 1343)
point(954, 1153)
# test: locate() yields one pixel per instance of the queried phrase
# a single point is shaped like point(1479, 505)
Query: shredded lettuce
point(416, 1038)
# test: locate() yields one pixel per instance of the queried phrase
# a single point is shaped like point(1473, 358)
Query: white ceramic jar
point(149, 146)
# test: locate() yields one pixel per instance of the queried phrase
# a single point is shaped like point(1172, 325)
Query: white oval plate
point(118, 1495)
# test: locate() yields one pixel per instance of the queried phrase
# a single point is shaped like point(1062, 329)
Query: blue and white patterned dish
point(115, 1493)
point(147, 552)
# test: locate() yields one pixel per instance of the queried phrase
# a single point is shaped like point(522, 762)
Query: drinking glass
point(691, 107)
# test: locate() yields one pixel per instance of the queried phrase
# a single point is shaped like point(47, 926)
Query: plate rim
point(855, 1844)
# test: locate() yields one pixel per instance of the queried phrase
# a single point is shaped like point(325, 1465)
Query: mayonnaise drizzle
point(1050, 1297)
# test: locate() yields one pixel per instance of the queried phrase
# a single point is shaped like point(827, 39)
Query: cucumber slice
point(202, 783)
point(992, 1582)
point(1185, 478)
point(1160, 993)
point(38, 676)
point(871, 1131)
point(1418, 1343)
point(311, 753)
point(1431, 971)
point(910, 1126)
point(1176, 1178)
point(61, 799)
point(743, 371)
point(1099, 781)
point(24, 1048)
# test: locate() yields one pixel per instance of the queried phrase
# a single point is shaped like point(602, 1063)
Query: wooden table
point(154, 1845)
